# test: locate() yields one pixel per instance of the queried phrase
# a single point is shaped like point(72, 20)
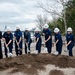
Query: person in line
point(28, 41)
point(38, 40)
point(70, 41)
point(8, 42)
point(18, 40)
point(48, 37)
point(1, 54)
point(58, 40)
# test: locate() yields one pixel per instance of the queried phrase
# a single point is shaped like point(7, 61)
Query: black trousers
point(38, 47)
point(1, 54)
point(70, 47)
point(26, 48)
point(49, 47)
point(10, 49)
point(59, 48)
point(18, 51)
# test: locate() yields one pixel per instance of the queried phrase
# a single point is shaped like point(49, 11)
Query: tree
point(70, 14)
point(59, 23)
point(41, 21)
point(53, 10)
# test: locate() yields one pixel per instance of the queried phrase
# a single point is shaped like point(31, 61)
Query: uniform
point(48, 33)
point(27, 37)
point(1, 55)
point(38, 44)
point(18, 35)
point(70, 37)
point(7, 38)
point(59, 43)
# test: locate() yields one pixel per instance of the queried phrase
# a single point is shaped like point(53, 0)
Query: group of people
point(7, 38)
point(58, 40)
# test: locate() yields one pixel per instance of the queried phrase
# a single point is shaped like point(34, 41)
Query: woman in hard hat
point(48, 37)
point(58, 40)
point(28, 40)
point(70, 40)
point(8, 39)
point(18, 40)
point(38, 40)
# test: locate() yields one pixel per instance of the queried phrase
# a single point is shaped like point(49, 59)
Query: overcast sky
point(21, 12)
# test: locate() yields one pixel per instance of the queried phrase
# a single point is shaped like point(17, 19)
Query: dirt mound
point(31, 63)
point(56, 72)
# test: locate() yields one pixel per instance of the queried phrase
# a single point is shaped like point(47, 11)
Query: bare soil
point(30, 64)
point(56, 72)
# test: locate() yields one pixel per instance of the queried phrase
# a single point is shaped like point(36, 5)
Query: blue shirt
point(18, 35)
point(58, 37)
point(47, 34)
point(37, 35)
point(27, 36)
point(70, 37)
point(8, 37)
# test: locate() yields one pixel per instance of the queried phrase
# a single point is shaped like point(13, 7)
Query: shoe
point(10, 55)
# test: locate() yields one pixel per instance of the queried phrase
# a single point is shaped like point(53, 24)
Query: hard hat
point(46, 26)
point(56, 30)
point(8, 29)
point(17, 27)
point(69, 29)
point(37, 29)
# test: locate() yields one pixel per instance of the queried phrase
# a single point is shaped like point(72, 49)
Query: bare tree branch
point(53, 9)
point(41, 20)
point(49, 9)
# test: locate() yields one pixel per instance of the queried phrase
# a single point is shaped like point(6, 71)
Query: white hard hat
point(37, 29)
point(8, 29)
point(46, 26)
point(17, 27)
point(56, 30)
point(69, 29)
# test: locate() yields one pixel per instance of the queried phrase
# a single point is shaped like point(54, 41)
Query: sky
point(20, 12)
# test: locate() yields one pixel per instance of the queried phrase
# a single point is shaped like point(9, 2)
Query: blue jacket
point(70, 37)
point(58, 37)
point(27, 36)
point(47, 34)
point(8, 37)
point(18, 35)
point(37, 35)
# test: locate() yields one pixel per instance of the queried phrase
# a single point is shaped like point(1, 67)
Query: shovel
point(9, 54)
point(18, 48)
point(55, 52)
point(28, 51)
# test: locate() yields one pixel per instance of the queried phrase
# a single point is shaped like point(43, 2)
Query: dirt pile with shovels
point(30, 64)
